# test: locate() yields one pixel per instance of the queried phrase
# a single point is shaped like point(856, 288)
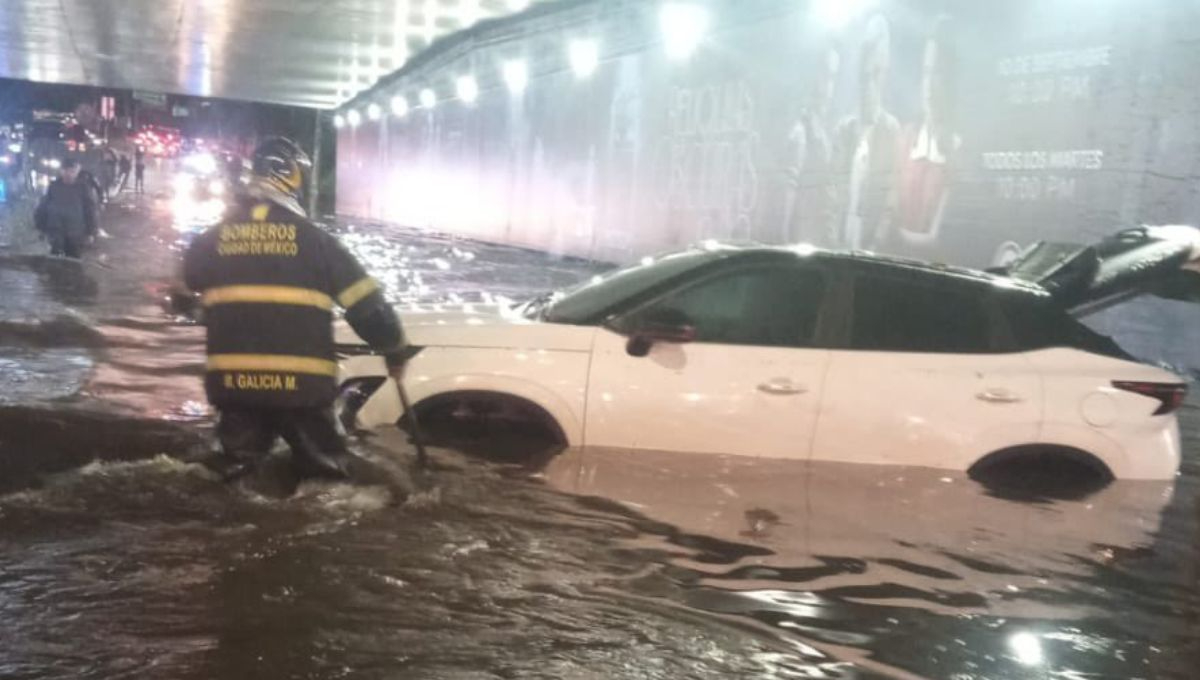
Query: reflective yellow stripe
point(277, 295)
point(277, 363)
point(355, 293)
point(259, 212)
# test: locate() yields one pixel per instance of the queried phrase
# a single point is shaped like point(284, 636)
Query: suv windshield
point(587, 302)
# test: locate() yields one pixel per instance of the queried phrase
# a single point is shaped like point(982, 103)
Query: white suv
point(804, 354)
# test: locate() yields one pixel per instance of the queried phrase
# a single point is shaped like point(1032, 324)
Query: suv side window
point(767, 306)
point(903, 315)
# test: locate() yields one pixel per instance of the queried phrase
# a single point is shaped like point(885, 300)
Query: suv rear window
point(1040, 324)
point(903, 315)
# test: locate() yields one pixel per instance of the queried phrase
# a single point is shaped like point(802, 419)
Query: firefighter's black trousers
point(247, 435)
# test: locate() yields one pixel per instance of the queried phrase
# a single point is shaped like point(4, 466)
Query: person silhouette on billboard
point(809, 200)
point(866, 146)
point(932, 145)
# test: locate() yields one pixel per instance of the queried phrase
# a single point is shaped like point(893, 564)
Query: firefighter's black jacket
point(269, 280)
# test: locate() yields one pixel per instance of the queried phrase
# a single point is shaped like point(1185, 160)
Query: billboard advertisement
point(957, 132)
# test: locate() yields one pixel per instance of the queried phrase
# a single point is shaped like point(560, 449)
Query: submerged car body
point(804, 354)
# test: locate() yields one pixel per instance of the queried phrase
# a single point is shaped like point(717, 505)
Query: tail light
point(1170, 395)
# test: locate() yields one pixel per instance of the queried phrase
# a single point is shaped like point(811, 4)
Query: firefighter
point(269, 280)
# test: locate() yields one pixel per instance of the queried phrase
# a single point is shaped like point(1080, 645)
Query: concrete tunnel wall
point(999, 124)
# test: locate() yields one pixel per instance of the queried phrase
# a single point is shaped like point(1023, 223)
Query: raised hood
point(484, 326)
point(1162, 261)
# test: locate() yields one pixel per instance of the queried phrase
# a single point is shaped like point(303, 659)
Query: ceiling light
point(374, 112)
point(428, 98)
point(836, 14)
point(584, 56)
point(468, 89)
point(684, 26)
point(399, 106)
point(353, 117)
point(516, 75)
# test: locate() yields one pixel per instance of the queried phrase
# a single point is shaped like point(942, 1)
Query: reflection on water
point(607, 564)
point(917, 568)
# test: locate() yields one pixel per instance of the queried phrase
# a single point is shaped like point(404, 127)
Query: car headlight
point(183, 185)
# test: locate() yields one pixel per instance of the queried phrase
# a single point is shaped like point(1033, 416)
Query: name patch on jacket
point(274, 382)
point(258, 238)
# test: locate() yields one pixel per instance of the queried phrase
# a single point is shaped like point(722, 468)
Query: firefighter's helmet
point(283, 165)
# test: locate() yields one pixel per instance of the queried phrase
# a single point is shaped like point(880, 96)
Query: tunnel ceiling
point(314, 53)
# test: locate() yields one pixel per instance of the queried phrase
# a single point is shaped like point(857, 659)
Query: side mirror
point(642, 339)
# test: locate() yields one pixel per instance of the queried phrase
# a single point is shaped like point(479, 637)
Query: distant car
point(805, 354)
point(198, 199)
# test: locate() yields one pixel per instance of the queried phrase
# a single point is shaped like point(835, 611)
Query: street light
point(516, 75)
point(374, 112)
point(684, 26)
point(584, 56)
point(428, 98)
point(468, 89)
point(353, 117)
point(399, 106)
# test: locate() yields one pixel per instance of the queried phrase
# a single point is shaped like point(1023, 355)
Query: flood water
point(119, 559)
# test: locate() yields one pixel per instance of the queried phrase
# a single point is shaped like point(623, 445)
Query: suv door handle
point(997, 395)
point(782, 386)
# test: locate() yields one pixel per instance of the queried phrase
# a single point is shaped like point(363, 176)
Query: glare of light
point(428, 98)
point(647, 261)
point(353, 117)
point(711, 244)
point(1027, 648)
point(190, 214)
point(14, 148)
point(202, 163)
point(399, 106)
point(374, 112)
point(517, 5)
point(684, 27)
point(182, 184)
point(1178, 233)
point(584, 56)
point(467, 88)
point(339, 121)
point(5, 160)
point(216, 187)
point(516, 75)
point(836, 14)
point(53, 163)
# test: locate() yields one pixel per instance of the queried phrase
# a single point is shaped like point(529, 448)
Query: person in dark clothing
point(66, 215)
point(87, 179)
point(126, 167)
point(269, 279)
point(110, 172)
point(139, 168)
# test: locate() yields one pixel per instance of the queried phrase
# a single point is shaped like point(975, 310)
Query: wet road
point(604, 564)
